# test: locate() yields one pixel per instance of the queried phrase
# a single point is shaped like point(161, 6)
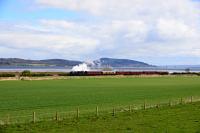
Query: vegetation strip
point(179, 118)
point(115, 110)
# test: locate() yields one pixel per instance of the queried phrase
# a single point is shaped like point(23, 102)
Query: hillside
point(102, 62)
point(120, 63)
point(50, 62)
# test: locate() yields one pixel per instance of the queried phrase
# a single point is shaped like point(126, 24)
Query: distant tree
point(26, 73)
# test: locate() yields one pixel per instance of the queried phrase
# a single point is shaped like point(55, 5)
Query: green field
point(176, 119)
point(21, 98)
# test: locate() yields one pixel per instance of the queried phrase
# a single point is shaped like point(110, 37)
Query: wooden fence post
point(130, 109)
point(97, 111)
point(8, 119)
point(181, 100)
point(77, 113)
point(56, 116)
point(170, 103)
point(114, 111)
point(158, 105)
point(144, 105)
point(34, 117)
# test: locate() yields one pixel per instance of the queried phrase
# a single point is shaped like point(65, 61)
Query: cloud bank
point(134, 29)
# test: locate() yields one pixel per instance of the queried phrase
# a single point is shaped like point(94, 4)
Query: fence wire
point(97, 111)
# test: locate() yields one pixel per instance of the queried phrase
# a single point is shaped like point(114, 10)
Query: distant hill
point(50, 62)
point(102, 62)
point(120, 63)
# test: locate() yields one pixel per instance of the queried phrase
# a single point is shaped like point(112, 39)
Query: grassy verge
point(176, 119)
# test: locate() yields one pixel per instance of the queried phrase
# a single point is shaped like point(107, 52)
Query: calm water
point(63, 69)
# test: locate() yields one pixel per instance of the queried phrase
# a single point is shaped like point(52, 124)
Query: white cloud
point(175, 30)
point(127, 8)
point(83, 5)
point(135, 29)
point(49, 42)
point(57, 23)
point(171, 19)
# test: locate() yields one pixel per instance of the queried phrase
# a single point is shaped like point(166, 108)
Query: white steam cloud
point(81, 67)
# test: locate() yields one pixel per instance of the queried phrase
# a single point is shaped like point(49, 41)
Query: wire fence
point(34, 117)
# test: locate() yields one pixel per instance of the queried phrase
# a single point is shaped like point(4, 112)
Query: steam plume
point(81, 67)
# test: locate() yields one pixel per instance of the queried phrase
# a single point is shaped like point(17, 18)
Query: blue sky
point(19, 10)
point(154, 31)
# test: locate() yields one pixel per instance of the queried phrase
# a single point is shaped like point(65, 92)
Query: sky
point(157, 32)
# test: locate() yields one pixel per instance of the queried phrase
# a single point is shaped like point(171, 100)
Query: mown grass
point(21, 98)
point(176, 119)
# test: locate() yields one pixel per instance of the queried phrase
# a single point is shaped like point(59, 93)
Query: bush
point(184, 73)
point(40, 74)
point(26, 73)
point(63, 74)
point(7, 75)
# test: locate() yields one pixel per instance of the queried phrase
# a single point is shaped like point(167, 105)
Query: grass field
point(176, 119)
point(21, 98)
